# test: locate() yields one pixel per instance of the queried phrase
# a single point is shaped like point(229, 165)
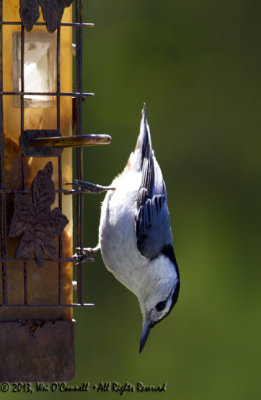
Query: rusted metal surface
point(34, 219)
point(71, 141)
point(36, 351)
point(50, 143)
point(29, 147)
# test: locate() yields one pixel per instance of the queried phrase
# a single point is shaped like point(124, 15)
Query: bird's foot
point(87, 187)
point(85, 254)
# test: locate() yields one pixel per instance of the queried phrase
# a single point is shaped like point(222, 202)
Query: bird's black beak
point(145, 333)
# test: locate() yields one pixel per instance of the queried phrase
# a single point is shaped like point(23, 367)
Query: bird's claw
point(87, 187)
point(84, 254)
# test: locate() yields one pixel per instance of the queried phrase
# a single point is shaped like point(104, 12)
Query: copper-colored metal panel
point(36, 351)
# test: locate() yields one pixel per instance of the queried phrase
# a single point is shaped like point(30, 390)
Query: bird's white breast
point(117, 236)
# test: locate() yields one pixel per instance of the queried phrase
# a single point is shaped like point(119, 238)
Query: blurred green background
point(197, 65)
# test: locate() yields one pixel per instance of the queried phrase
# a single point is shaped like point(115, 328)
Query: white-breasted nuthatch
point(135, 234)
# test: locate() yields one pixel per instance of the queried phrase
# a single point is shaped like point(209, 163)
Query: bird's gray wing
point(153, 230)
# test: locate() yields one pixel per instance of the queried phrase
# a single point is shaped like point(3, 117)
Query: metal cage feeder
point(39, 110)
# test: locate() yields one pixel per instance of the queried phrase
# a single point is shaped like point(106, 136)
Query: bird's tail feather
point(144, 139)
point(143, 149)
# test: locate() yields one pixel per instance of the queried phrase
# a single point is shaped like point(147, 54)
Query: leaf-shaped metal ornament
point(29, 12)
point(52, 12)
point(34, 219)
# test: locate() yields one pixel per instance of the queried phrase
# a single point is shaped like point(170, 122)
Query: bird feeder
point(38, 109)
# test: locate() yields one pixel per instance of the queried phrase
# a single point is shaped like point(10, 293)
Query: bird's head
point(160, 295)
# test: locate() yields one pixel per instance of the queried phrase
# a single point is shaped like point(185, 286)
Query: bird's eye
point(160, 305)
